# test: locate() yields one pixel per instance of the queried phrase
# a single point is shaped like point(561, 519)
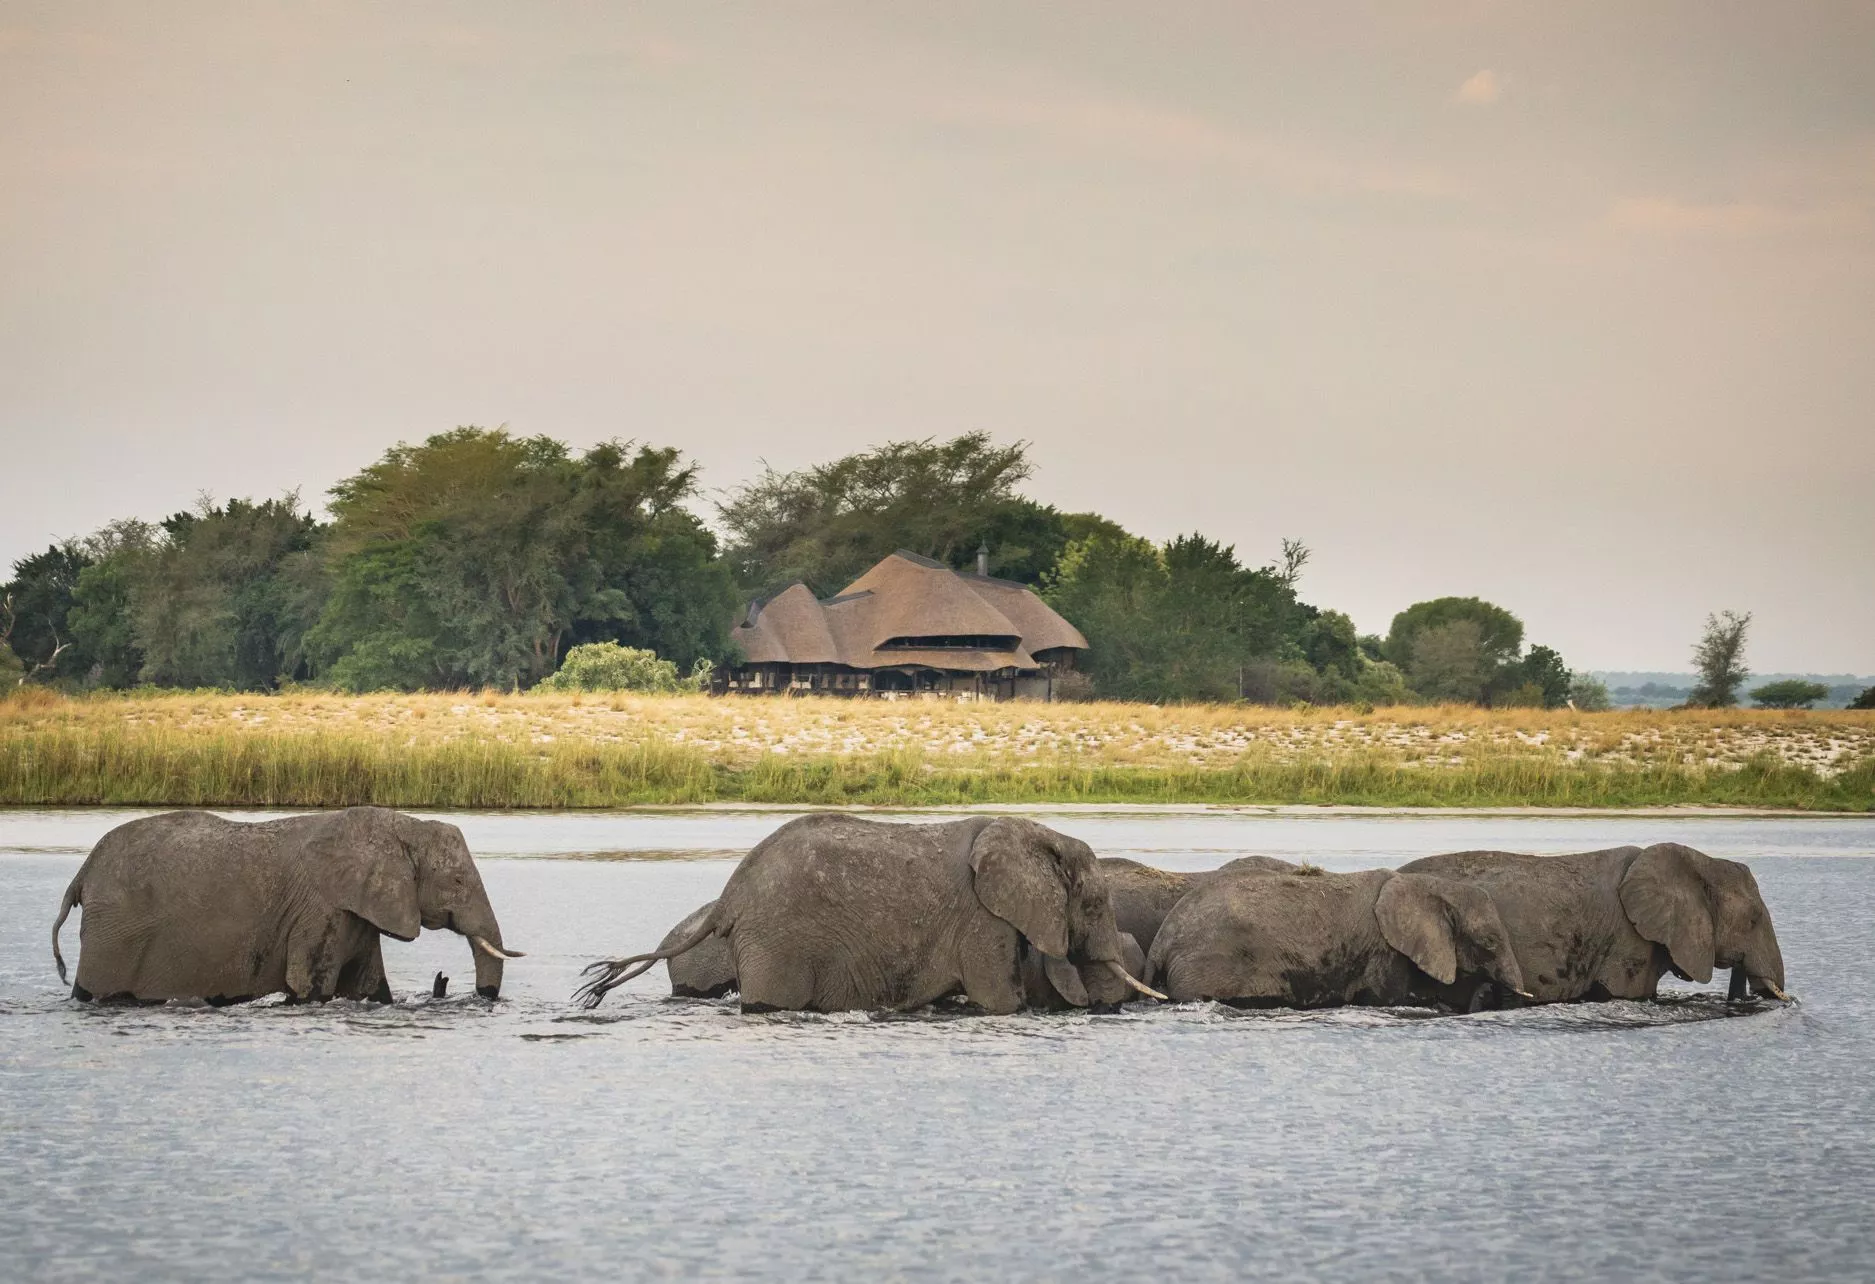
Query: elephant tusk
point(494, 951)
point(1775, 992)
point(1524, 994)
point(1144, 989)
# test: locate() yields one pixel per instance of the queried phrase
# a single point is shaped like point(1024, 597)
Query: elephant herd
point(833, 912)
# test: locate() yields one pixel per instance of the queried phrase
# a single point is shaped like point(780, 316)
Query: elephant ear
point(1666, 900)
point(1019, 880)
point(1482, 940)
point(1413, 919)
point(1066, 978)
point(364, 867)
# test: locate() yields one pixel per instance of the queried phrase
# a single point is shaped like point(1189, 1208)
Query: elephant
point(708, 972)
point(186, 905)
point(1259, 939)
point(1144, 894)
point(1051, 984)
point(833, 913)
point(704, 972)
point(1607, 924)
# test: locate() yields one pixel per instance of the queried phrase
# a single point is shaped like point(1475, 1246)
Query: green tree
point(1499, 633)
point(101, 618)
point(1185, 621)
point(1329, 643)
point(1864, 701)
point(207, 604)
point(35, 610)
point(1544, 669)
point(1791, 693)
point(1449, 661)
point(827, 524)
point(476, 558)
point(1719, 658)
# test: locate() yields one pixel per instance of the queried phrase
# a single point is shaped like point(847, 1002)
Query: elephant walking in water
point(1608, 924)
point(832, 913)
point(1259, 939)
point(1143, 895)
point(707, 970)
point(188, 905)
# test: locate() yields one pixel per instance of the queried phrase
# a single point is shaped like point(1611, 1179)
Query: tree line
point(479, 558)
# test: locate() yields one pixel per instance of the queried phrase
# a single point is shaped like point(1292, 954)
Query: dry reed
point(493, 750)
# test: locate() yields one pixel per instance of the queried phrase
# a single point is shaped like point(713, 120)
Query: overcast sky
point(1570, 307)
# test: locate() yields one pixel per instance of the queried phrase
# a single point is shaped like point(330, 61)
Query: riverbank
point(520, 751)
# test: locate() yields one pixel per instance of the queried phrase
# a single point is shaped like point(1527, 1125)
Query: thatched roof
point(908, 610)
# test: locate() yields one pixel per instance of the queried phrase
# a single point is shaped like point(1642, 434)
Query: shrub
point(1589, 694)
point(1381, 683)
point(607, 666)
point(1864, 701)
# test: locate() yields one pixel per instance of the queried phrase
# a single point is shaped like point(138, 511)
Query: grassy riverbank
point(568, 751)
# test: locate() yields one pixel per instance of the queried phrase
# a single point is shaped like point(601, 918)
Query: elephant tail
point(609, 974)
point(74, 895)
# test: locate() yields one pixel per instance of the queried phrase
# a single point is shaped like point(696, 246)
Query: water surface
point(530, 1140)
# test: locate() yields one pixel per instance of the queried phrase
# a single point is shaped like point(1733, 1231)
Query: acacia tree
point(1719, 658)
point(1791, 693)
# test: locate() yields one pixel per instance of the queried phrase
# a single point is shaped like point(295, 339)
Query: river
point(529, 1140)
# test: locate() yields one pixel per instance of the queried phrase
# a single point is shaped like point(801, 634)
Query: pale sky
point(1571, 307)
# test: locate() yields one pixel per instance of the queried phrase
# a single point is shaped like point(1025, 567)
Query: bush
point(1864, 701)
point(1589, 694)
point(1381, 683)
point(607, 666)
point(1791, 693)
point(1284, 682)
point(1527, 696)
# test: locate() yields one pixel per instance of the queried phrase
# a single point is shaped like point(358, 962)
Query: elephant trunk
point(478, 924)
point(1764, 963)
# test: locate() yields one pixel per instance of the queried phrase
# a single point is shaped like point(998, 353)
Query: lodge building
point(907, 626)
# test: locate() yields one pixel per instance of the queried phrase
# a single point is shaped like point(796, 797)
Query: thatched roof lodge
point(907, 625)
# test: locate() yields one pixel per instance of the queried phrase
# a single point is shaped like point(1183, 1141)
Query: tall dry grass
point(490, 750)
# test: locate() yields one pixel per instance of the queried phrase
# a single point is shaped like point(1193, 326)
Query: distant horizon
point(1556, 308)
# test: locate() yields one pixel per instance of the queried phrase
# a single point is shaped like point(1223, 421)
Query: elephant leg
point(313, 966)
point(774, 979)
point(363, 977)
point(80, 993)
point(1740, 988)
point(989, 957)
point(1483, 998)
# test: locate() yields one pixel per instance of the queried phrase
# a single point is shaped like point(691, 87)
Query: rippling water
point(529, 1140)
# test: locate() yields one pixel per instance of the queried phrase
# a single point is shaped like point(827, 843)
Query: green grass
point(157, 766)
